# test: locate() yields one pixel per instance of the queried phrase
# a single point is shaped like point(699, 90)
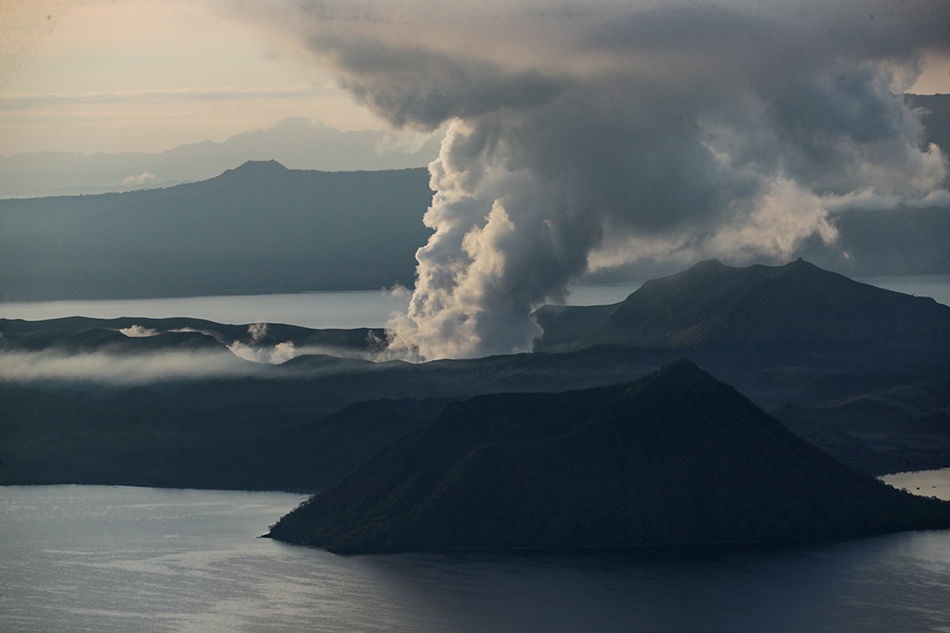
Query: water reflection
point(76, 558)
point(350, 309)
point(853, 586)
point(315, 309)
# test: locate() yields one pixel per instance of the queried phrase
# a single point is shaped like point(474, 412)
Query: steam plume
point(596, 134)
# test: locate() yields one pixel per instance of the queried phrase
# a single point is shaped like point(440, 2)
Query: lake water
point(89, 558)
point(311, 309)
point(348, 309)
point(356, 308)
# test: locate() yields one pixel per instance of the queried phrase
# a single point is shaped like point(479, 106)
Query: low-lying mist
point(115, 365)
point(122, 369)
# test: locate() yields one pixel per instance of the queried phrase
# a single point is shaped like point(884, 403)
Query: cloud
point(34, 101)
point(404, 143)
point(456, 87)
point(126, 369)
point(260, 351)
point(583, 135)
point(121, 369)
point(141, 179)
point(139, 331)
point(257, 331)
point(270, 354)
point(286, 350)
point(869, 200)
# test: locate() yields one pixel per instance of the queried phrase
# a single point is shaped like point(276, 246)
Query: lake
point(88, 558)
point(358, 308)
point(91, 558)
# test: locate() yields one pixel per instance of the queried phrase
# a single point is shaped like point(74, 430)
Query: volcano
point(675, 458)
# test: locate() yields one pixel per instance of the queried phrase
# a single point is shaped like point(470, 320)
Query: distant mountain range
point(297, 143)
point(262, 228)
point(257, 229)
point(676, 458)
point(135, 335)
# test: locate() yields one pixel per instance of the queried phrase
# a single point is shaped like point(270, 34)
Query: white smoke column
point(600, 133)
point(482, 273)
point(257, 331)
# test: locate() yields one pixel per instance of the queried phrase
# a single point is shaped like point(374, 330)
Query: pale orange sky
point(148, 75)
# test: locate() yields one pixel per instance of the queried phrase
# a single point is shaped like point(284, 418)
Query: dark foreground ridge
point(674, 458)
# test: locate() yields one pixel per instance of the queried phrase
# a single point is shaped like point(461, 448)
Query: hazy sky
point(147, 75)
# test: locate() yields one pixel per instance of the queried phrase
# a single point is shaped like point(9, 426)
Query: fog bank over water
point(122, 369)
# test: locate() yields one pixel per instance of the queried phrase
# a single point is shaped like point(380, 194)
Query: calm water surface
point(349, 309)
point(87, 558)
point(311, 309)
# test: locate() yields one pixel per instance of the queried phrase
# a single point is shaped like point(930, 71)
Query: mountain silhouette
point(257, 229)
point(675, 458)
point(295, 141)
point(795, 307)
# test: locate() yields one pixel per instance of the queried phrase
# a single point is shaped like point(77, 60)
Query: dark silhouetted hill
point(797, 307)
point(142, 334)
point(295, 142)
point(860, 371)
point(260, 228)
point(675, 458)
point(304, 458)
point(212, 420)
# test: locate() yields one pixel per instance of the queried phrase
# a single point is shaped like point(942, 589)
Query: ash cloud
point(584, 136)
